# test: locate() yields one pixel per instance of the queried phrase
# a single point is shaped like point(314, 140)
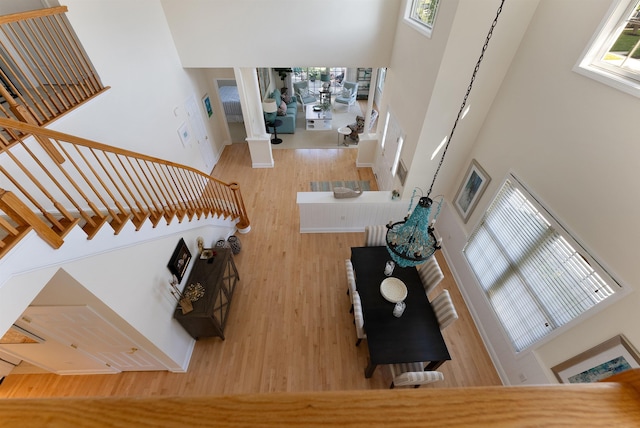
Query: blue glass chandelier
point(412, 241)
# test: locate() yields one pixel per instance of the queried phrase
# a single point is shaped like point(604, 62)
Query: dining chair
point(444, 309)
point(358, 318)
point(351, 281)
point(430, 274)
point(375, 236)
point(412, 374)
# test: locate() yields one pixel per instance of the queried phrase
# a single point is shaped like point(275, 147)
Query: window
point(535, 275)
point(382, 75)
point(336, 74)
point(421, 14)
point(614, 56)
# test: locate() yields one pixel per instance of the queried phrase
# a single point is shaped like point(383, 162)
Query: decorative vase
point(222, 244)
point(398, 309)
point(388, 268)
point(235, 244)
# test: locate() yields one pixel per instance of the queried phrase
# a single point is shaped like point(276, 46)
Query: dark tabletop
point(415, 336)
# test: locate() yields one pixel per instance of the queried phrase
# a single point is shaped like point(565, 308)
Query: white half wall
point(320, 212)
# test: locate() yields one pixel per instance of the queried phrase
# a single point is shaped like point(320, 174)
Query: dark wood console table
point(210, 312)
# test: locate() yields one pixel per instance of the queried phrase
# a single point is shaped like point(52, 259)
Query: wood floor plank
point(289, 327)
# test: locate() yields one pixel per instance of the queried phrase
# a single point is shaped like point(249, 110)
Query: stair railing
point(44, 70)
point(91, 184)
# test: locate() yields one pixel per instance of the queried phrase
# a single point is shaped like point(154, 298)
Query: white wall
point(132, 50)
point(125, 277)
point(282, 33)
point(573, 142)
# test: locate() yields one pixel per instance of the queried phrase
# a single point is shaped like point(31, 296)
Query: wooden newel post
point(244, 225)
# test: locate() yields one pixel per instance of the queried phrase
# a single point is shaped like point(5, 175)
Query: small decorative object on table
point(185, 302)
point(194, 291)
point(207, 253)
point(345, 192)
point(395, 195)
point(235, 244)
point(388, 268)
point(393, 290)
point(398, 309)
point(221, 243)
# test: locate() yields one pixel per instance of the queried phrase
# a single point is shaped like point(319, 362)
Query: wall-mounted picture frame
point(179, 260)
point(185, 134)
point(471, 189)
point(206, 102)
point(613, 356)
point(402, 172)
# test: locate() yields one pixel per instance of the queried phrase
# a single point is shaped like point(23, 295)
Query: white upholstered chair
point(430, 274)
point(412, 374)
point(351, 280)
point(358, 318)
point(444, 309)
point(375, 236)
point(301, 91)
point(348, 94)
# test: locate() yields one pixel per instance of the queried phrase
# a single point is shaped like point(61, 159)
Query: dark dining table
point(413, 337)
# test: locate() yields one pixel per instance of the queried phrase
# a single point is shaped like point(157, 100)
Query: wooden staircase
point(52, 182)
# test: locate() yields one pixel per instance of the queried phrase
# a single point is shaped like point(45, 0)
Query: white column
point(258, 139)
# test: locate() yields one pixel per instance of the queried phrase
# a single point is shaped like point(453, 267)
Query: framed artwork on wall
point(402, 172)
point(179, 260)
point(471, 189)
point(613, 356)
point(185, 135)
point(206, 101)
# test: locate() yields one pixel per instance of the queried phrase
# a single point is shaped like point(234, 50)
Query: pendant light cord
point(464, 101)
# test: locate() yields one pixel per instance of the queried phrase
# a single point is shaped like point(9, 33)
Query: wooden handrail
point(615, 404)
point(39, 13)
point(97, 184)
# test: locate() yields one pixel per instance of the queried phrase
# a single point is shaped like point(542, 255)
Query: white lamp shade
point(269, 105)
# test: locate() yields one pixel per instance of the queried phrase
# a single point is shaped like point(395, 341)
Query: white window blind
point(532, 275)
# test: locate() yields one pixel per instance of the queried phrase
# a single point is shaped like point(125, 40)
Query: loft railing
point(44, 70)
point(52, 182)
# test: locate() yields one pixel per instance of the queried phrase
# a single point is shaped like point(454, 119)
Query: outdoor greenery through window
point(422, 14)
point(530, 268)
point(623, 55)
point(615, 53)
point(314, 74)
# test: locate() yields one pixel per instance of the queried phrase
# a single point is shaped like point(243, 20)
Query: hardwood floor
point(289, 326)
